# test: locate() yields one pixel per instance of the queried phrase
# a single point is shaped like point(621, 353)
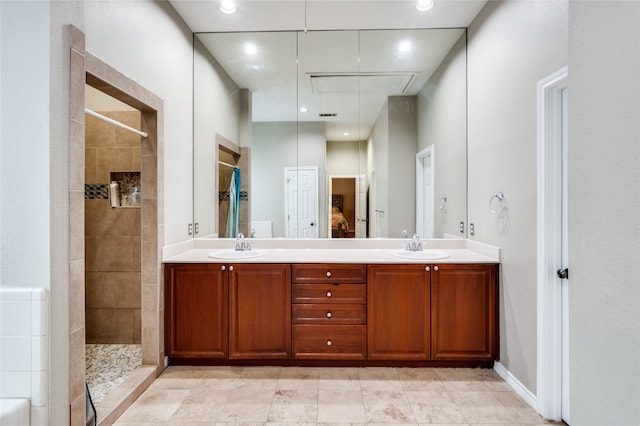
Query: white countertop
point(331, 251)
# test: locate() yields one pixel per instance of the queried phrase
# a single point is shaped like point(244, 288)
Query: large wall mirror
point(330, 134)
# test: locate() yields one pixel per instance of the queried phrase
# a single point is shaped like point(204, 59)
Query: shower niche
point(127, 193)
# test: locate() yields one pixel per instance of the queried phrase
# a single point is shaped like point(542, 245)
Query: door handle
point(563, 274)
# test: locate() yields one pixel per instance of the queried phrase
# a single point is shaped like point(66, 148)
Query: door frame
point(420, 210)
point(358, 179)
point(549, 247)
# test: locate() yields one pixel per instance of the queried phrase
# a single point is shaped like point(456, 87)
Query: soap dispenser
point(136, 197)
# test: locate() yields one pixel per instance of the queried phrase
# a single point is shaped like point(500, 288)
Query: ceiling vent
point(328, 114)
point(392, 83)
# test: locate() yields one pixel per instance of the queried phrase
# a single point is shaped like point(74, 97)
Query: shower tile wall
point(112, 235)
point(224, 175)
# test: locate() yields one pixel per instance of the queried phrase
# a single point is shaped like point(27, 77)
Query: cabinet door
point(398, 312)
point(196, 299)
point(259, 311)
point(464, 312)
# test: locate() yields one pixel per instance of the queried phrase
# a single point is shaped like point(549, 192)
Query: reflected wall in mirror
point(336, 134)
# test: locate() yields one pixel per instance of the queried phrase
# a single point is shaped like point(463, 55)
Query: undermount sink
point(421, 255)
point(236, 254)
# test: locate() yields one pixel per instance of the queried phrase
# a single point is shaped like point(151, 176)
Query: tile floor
point(336, 396)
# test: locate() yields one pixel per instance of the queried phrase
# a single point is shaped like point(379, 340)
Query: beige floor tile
point(435, 407)
point(379, 378)
point(387, 407)
point(339, 406)
point(481, 407)
point(248, 403)
point(338, 378)
point(420, 379)
point(520, 411)
point(272, 396)
point(294, 406)
point(154, 406)
point(298, 379)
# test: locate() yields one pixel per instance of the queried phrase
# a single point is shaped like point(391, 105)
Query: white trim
point(420, 213)
point(549, 249)
point(515, 384)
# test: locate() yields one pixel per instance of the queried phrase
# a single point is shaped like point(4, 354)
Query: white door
point(424, 192)
point(301, 202)
point(552, 271)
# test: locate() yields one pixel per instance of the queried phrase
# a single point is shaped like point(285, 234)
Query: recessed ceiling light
point(226, 6)
point(424, 5)
point(303, 109)
point(250, 49)
point(345, 134)
point(404, 46)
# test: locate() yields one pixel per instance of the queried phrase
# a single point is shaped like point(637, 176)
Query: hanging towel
point(234, 205)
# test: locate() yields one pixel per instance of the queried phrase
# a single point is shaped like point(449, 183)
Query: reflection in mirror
point(336, 134)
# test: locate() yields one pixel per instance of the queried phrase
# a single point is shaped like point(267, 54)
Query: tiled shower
point(112, 252)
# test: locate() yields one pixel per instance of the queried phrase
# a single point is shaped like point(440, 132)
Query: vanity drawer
point(328, 314)
point(329, 341)
point(328, 273)
point(329, 293)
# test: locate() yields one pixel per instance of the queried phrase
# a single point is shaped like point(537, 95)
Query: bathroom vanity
point(352, 306)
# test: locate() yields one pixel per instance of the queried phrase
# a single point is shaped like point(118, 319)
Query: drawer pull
point(329, 342)
point(329, 315)
point(426, 268)
point(231, 268)
point(328, 274)
point(328, 294)
point(223, 267)
point(435, 268)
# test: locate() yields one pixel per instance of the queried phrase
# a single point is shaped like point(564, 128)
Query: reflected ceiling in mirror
point(328, 72)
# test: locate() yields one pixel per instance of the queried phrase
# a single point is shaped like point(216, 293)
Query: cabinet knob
point(435, 268)
point(426, 268)
point(328, 274)
point(328, 294)
point(231, 268)
point(329, 343)
point(224, 268)
point(329, 315)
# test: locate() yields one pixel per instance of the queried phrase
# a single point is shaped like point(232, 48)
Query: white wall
point(442, 122)
point(149, 42)
point(511, 46)
point(344, 158)
point(217, 110)
point(403, 140)
point(604, 212)
point(144, 40)
point(277, 145)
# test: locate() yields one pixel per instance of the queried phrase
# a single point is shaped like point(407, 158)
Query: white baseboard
point(518, 387)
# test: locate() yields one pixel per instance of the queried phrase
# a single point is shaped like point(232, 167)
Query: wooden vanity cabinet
point(329, 311)
point(259, 311)
point(398, 312)
point(196, 305)
point(464, 313)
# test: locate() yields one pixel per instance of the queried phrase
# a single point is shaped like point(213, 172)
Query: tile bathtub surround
point(24, 348)
point(300, 395)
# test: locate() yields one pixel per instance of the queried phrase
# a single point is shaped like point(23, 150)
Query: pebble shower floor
point(108, 365)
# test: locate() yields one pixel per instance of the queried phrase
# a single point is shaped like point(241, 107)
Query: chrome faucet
point(241, 244)
point(415, 244)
